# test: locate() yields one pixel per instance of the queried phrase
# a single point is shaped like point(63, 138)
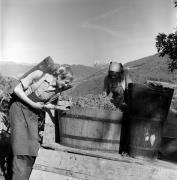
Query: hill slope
point(89, 80)
point(151, 67)
point(11, 69)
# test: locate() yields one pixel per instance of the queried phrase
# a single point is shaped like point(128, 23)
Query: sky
point(82, 31)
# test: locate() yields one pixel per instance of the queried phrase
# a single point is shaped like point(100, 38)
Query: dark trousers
point(22, 167)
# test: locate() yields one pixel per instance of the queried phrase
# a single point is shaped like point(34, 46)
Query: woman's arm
point(19, 90)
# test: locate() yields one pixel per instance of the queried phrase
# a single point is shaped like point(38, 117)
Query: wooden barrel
point(91, 129)
point(148, 110)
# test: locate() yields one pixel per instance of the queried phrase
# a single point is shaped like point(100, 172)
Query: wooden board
point(98, 154)
point(90, 168)
point(111, 156)
point(45, 175)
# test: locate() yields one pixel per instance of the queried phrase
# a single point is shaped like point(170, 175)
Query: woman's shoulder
point(37, 73)
point(33, 76)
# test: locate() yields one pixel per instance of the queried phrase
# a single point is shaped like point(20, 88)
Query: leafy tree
point(167, 45)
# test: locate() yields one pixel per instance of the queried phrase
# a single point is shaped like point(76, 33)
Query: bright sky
point(83, 31)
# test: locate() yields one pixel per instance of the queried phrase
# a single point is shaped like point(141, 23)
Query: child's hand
point(64, 103)
point(62, 108)
point(56, 107)
point(104, 94)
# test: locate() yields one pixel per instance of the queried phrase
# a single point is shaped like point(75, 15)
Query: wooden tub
point(91, 129)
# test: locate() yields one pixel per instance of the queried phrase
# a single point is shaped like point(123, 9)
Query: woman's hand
point(49, 106)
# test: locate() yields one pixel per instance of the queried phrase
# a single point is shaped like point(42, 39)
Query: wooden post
point(49, 128)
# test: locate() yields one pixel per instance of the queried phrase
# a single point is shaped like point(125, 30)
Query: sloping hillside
point(11, 69)
point(89, 80)
point(82, 72)
point(148, 68)
point(151, 67)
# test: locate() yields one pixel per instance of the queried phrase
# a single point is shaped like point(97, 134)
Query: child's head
point(64, 78)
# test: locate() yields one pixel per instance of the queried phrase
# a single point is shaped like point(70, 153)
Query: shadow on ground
point(5, 155)
point(168, 149)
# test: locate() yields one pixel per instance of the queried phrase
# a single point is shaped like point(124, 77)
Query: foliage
point(92, 101)
point(167, 45)
point(6, 88)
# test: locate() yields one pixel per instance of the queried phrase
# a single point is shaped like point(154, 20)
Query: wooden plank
point(98, 168)
point(109, 156)
point(49, 133)
point(64, 172)
point(165, 84)
point(98, 154)
point(45, 175)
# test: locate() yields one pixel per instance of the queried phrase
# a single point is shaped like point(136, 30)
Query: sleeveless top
point(43, 89)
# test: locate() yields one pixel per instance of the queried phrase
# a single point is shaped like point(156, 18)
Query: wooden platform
point(63, 163)
point(57, 162)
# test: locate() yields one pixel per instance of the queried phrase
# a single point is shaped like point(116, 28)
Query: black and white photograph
point(88, 90)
